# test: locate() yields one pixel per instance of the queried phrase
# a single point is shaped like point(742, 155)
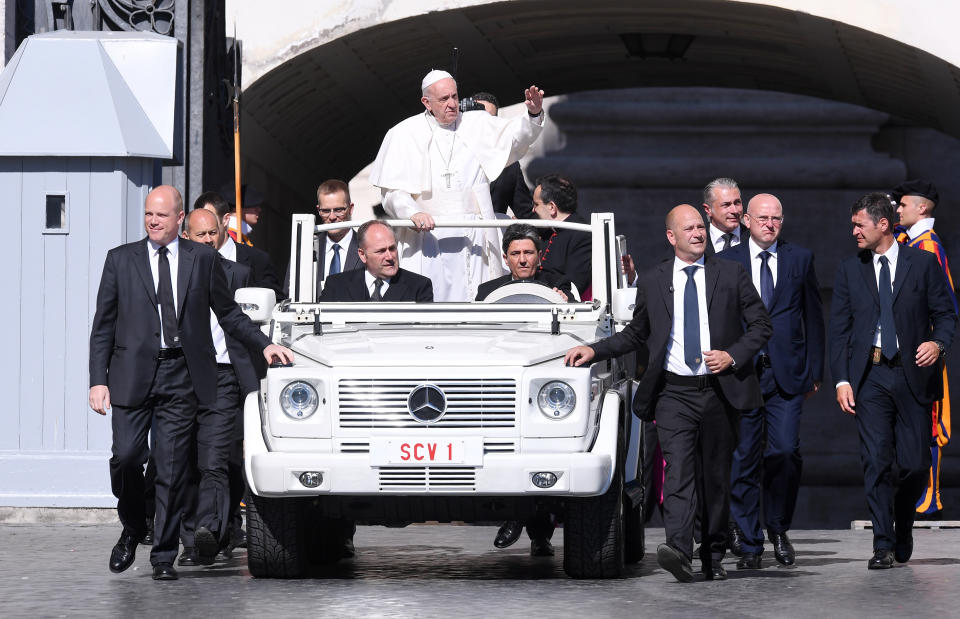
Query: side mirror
point(257, 303)
point(624, 301)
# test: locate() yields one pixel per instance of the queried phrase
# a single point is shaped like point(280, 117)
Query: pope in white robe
point(438, 166)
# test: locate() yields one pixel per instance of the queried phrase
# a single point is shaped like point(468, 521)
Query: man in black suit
point(219, 484)
point(724, 210)
point(381, 279)
point(702, 322)
point(891, 320)
point(262, 273)
point(151, 358)
point(566, 251)
point(521, 251)
point(790, 369)
point(335, 250)
point(509, 190)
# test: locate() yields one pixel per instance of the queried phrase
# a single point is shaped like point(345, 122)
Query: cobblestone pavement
point(60, 570)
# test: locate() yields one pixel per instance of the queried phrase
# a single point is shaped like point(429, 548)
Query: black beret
point(251, 197)
point(918, 187)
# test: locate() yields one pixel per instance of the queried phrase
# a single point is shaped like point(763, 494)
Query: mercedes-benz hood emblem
point(426, 403)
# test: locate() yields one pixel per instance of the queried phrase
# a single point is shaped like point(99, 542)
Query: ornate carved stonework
point(143, 15)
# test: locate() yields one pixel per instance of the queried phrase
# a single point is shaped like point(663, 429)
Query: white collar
point(716, 234)
point(891, 254)
point(755, 249)
point(679, 265)
point(344, 243)
point(229, 249)
point(172, 247)
point(920, 227)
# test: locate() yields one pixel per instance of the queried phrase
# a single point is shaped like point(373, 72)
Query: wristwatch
point(940, 346)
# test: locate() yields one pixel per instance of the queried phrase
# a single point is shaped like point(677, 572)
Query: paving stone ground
point(60, 570)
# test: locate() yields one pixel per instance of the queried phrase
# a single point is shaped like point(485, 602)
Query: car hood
point(408, 345)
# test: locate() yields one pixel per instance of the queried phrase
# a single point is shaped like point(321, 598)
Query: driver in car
point(521, 250)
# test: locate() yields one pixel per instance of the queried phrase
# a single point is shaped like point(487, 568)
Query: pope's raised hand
point(533, 97)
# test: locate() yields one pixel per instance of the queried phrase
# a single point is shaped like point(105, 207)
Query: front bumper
point(579, 474)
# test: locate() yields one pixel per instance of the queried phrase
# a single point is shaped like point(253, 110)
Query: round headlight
point(299, 400)
point(556, 399)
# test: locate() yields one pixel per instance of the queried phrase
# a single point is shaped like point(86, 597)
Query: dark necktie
point(168, 311)
point(335, 263)
point(691, 321)
point(727, 240)
point(766, 279)
point(377, 285)
point(888, 329)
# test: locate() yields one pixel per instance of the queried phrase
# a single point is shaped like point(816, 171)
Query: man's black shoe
point(123, 553)
point(881, 560)
point(749, 561)
point(164, 571)
point(672, 560)
point(224, 554)
point(508, 534)
point(782, 548)
point(206, 544)
point(541, 548)
point(148, 536)
point(238, 538)
point(716, 572)
point(735, 539)
point(348, 551)
point(903, 549)
point(188, 556)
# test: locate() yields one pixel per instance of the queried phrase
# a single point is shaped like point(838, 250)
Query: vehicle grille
point(471, 403)
point(432, 479)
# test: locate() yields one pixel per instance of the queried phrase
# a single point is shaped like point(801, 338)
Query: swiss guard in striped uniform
point(915, 201)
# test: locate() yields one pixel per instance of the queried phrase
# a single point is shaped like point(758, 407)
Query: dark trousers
point(894, 428)
point(769, 454)
point(207, 490)
point(169, 411)
point(697, 431)
point(215, 436)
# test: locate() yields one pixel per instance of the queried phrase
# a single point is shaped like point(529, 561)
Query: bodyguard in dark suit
point(262, 273)
point(151, 358)
point(724, 210)
point(790, 367)
point(702, 323)
point(566, 251)
point(891, 320)
point(334, 251)
point(382, 279)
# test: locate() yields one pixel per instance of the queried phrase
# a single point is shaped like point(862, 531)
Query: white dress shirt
point(756, 262)
point(371, 281)
point(344, 244)
point(675, 361)
point(229, 249)
point(892, 254)
point(716, 237)
point(173, 254)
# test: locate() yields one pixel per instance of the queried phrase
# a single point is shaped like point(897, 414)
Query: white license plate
point(425, 451)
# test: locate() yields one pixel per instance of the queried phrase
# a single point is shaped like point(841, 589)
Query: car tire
point(593, 531)
point(275, 537)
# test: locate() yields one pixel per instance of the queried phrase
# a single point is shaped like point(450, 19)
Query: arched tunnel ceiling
point(324, 112)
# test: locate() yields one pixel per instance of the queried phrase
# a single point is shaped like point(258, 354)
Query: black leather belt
point(701, 381)
point(763, 361)
point(877, 358)
point(169, 353)
point(224, 366)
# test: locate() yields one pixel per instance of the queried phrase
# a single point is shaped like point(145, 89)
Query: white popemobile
point(403, 412)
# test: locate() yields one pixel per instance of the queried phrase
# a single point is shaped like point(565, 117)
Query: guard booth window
point(56, 214)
